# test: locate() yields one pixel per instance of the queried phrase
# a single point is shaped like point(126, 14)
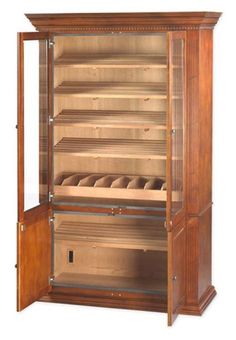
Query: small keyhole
point(70, 256)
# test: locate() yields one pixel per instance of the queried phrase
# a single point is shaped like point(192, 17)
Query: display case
point(114, 161)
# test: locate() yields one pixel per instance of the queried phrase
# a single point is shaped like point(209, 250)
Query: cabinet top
point(125, 22)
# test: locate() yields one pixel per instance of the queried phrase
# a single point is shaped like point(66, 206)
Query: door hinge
point(50, 279)
point(22, 226)
point(165, 224)
point(50, 196)
point(51, 43)
point(51, 219)
point(50, 120)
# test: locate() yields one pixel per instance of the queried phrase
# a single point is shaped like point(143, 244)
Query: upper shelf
point(96, 90)
point(105, 60)
point(112, 118)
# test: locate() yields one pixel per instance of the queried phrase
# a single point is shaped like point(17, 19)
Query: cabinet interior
point(107, 252)
point(110, 121)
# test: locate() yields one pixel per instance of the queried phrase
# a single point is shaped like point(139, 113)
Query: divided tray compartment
point(110, 186)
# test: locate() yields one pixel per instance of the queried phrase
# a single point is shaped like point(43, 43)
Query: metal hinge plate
point(51, 43)
point(50, 279)
point(50, 196)
point(51, 219)
point(22, 226)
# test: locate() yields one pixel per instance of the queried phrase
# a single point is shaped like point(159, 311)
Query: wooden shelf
point(148, 237)
point(110, 181)
point(109, 60)
point(112, 119)
point(120, 283)
point(112, 148)
point(109, 186)
point(97, 90)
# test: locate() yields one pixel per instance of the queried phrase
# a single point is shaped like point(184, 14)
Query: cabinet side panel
point(204, 272)
point(192, 253)
point(205, 118)
point(199, 170)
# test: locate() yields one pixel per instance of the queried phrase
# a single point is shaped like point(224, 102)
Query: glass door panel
point(33, 101)
point(177, 105)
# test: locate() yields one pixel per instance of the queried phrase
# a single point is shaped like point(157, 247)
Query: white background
point(57, 321)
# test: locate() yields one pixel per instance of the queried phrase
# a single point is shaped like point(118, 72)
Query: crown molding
point(123, 22)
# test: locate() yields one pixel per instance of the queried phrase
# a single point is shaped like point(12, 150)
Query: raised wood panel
point(176, 270)
point(33, 257)
point(198, 260)
point(204, 261)
point(192, 253)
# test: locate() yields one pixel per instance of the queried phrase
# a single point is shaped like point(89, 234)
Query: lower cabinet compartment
point(110, 253)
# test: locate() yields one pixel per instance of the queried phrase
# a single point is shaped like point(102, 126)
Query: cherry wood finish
point(176, 270)
point(189, 234)
point(106, 298)
point(125, 22)
point(199, 289)
point(33, 227)
point(33, 256)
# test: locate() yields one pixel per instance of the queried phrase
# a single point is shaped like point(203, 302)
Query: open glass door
point(175, 175)
point(33, 227)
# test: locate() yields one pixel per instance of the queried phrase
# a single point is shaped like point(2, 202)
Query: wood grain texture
point(113, 235)
point(106, 298)
point(123, 22)
point(113, 89)
point(120, 283)
point(199, 169)
point(112, 119)
point(33, 257)
point(176, 270)
point(111, 60)
point(189, 250)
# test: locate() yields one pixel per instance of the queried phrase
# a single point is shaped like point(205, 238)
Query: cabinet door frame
point(33, 226)
point(175, 223)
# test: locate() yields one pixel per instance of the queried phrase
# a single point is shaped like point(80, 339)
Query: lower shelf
point(131, 284)
point(113, 235)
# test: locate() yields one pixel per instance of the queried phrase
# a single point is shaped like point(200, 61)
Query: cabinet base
point(129, 301)
point(205, 300)
point(109, 299)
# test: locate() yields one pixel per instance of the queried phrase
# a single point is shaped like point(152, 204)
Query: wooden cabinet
point(114, 161)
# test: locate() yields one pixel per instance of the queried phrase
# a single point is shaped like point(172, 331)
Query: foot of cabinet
point(198, 309)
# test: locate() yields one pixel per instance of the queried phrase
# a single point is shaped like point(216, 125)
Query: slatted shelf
point(146, 237)
point(114, 148)
point(95, 90)
point(132, 284)
point(112, 119)
point(111, 60)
